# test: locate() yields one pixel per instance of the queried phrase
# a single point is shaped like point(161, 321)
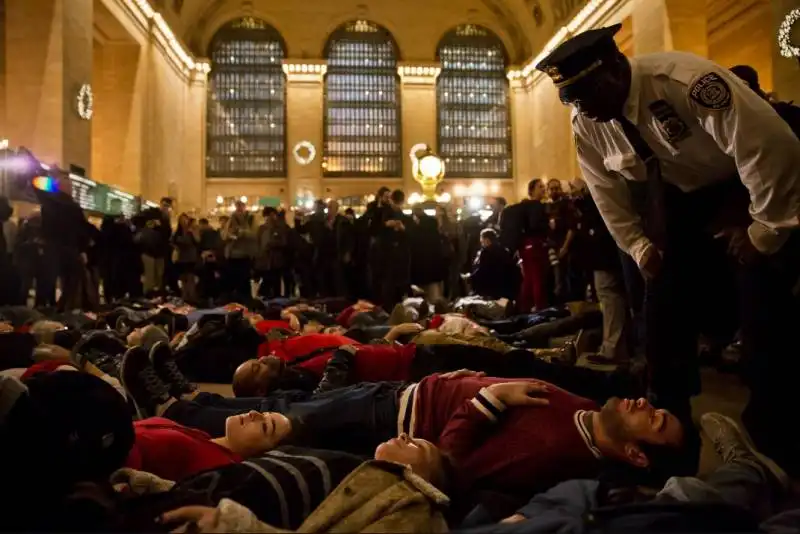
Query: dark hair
point(382, 190)
point(203, 221)
point(532, 184)
point(749, 75)
point(502, 201)
point(166, 200)
point(349, 211)
point(490, 234)
point(269, 210)
point(664, 462)
point(398, 197)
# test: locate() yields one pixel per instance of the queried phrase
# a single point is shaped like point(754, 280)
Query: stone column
point(785, 71)
point(304, 108)
point(522, 120)
point(418, 113)
point(661, 25)
point(194, 183)
point(48, 58)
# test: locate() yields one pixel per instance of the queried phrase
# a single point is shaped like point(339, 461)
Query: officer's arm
point(613, 200)
point(766, 151)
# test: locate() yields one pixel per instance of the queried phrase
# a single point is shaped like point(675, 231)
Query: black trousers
point(770, 315)
point(695, 291)
point(589, 383)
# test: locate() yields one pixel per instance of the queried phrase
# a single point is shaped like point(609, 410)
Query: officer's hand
point(520, 393)
point(462, 373)
point(651, 262)
point(739, 244)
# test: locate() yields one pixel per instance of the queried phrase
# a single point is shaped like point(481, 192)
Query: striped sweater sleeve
point(470, 423)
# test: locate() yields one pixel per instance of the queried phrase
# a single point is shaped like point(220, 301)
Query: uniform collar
point(632, 104)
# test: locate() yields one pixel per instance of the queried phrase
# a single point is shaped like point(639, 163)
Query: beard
point(612, 421)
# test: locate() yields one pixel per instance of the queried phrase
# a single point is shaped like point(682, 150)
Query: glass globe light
point(431, 166)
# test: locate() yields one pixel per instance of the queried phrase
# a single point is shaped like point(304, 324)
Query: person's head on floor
point(63, 429)
point(147, 336)
point(335, 330)
point(488, 237)
point(423, 457)
point(44, 331)
point(254, 433)
point(636, 433)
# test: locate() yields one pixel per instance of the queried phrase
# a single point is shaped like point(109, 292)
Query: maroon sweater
point(508, 449)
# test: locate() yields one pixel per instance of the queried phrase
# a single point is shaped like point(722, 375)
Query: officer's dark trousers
point(679, 300)
point(770, 317)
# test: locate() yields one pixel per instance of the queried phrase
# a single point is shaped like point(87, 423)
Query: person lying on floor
point(539, 441)
point(743, 494)
point(351, 364)
point(735, 497)
point(405, 480)
point(402, 488)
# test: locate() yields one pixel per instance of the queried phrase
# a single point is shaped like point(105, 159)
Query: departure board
point(119, 202)
point(84, 191)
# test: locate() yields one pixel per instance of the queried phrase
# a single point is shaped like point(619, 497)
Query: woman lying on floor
point(61, 440)
point(66, 432)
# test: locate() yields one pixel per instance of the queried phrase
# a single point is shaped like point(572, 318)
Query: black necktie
point(648, 198)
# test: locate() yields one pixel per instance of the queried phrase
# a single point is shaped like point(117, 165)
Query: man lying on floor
point(734, 498)
point(327, 368)
point(402, 487)
point(505, 435)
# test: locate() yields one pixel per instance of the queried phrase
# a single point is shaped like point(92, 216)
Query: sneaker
point(141, 382)
point(94, 344)
point(167, 370)
point(734, 445)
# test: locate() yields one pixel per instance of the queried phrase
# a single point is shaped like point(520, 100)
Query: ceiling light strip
point(589, 15)
point(167, 36)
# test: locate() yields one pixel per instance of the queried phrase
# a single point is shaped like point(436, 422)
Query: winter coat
point(273, 240)
point(240, 236)
point(376, 497)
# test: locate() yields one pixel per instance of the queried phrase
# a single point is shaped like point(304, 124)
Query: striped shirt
point(281, 488)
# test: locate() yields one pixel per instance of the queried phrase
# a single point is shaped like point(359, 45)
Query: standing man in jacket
point(676, 151)
point(153, 235)
point(240, 237)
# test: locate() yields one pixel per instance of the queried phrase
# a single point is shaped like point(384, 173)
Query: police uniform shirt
point(703, 124)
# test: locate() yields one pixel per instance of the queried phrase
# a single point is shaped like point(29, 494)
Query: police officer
point(665, 142)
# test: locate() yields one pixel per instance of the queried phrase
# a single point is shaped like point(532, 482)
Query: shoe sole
point(129, 352)
point(766, 461)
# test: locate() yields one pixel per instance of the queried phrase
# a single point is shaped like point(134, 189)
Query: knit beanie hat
point(72, 427)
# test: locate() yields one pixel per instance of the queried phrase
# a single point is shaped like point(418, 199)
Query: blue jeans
point(567, 506)
point(353, 419)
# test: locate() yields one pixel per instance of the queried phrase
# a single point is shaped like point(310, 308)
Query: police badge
point(670, 124)
point(711, 91)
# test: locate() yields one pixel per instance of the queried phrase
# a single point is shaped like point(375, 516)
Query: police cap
point(580, 56)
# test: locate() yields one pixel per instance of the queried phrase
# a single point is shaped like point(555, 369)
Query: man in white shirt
point(665, 142)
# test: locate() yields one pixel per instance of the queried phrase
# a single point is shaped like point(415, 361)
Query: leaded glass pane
point(472, 96)
point(246, 102)
point(362, 103)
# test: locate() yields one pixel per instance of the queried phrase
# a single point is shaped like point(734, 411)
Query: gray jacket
point(240, 236)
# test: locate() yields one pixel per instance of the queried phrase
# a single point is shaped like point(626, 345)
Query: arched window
point(362, 103)
point(472, 98)
point(246, 102)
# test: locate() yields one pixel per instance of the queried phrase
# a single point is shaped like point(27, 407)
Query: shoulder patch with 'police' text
point(711, 91)
point(670, 124)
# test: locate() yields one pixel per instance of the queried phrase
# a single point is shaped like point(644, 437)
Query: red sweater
point(174, 452)
point(511, 451)
point(372, 363)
